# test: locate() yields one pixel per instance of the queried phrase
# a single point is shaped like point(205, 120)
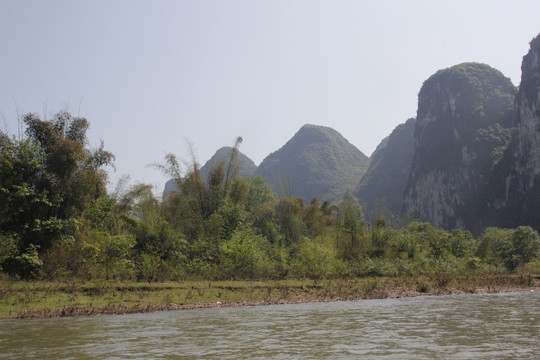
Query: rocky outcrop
point(518, 201)
point(316, 162)
point(464, 123)
point(528, 129)
point(380, 191)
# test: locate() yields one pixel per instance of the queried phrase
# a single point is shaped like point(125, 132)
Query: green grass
point(20, 299)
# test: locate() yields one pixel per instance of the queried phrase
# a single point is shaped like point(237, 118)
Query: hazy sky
point(150, 74)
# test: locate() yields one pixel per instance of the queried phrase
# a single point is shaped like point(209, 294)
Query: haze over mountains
point(470, 159)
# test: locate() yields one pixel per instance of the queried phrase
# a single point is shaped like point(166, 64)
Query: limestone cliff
point(381, 188)
point(464, 123)
point(519, 180)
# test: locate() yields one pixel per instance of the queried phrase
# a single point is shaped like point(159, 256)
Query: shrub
point(473, 263)
point(423, 286)
point(8, 248)
point(245, 255)
point(534, 266)
point(29, 262)
point(149, 267)
point(315, 259)
point(373, 267)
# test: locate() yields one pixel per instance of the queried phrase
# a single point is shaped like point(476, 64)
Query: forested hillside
point(316, 162)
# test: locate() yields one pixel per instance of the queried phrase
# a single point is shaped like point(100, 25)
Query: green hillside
point(317, 162)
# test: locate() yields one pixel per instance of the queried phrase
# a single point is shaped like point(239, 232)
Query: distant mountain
point(170, 185)
point(381, 188)
point(464, 123)
point(316, 162)
point(246, 166)
point(470, 160)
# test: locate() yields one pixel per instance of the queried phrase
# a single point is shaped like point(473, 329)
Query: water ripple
point(457, 327)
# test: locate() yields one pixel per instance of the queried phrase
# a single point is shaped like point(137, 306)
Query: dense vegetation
point(57, 221)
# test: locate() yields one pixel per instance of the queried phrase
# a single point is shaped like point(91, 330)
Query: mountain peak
point(464, 118)
point(246, 166)
point(316, 162)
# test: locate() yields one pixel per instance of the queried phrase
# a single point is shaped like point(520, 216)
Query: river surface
point(495, 326)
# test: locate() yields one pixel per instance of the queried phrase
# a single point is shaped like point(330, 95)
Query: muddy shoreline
point(291, 298)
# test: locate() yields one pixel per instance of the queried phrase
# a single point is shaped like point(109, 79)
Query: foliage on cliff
point(455, 104)
point(464, 124)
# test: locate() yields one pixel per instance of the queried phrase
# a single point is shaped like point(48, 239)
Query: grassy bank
point(50, 299)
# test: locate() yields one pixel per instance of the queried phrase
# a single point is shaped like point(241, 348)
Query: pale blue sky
point(149, 74)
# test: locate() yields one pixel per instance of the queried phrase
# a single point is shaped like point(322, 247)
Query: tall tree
point(48, 179)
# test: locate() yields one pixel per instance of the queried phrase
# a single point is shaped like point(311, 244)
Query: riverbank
point(41, 299)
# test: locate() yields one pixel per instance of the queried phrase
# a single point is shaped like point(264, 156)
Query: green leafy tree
point(351, 228)
point(259, 193)
point(319, 218)
point(47, 181)
point(461, 243)
point(8, 249)
point(380, 235)
point(314, 258)
point(23, 198)
point(246, 255)
point(525, 246)
point(494, 246)
point(289, 219)
point(73, 176)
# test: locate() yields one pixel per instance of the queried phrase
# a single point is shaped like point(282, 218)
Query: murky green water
point(458, 327)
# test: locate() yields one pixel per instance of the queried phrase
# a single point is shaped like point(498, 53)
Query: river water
point(494, 326)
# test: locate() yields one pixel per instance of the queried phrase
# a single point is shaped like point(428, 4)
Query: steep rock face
point(464, 122)
point(381, 187)
point(316, 162)
point(521, 184)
